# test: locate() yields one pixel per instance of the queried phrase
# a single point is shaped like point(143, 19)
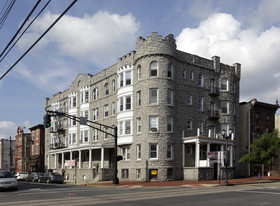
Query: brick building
point(22, 150)
point(256, 118)
point(37, 147)
point(169, 106)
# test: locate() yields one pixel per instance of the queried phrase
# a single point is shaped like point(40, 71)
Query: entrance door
point(215, 171)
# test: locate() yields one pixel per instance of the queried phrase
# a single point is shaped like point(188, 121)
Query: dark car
point(51, 177)
point(34, 176)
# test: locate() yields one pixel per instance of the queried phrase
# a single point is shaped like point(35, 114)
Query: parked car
point(34, 176)
point(7, 180)
point(21, 175)
point(51, 177)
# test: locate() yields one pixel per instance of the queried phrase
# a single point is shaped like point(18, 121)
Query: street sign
point(69, 162)
point(83, 121)
point(216, 154)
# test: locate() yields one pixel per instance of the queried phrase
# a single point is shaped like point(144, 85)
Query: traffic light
point(47, 121)
point(119, 157)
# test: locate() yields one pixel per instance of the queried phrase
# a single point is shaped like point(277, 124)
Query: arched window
point(139, 72)
point(106, 89)
point(185, 74)
point(95, 94)
point(224, 84)
point(153, 68)
point(170, 70)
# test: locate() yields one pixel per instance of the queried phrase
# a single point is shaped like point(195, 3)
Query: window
point(32, 149)
point(37, 134)
point(120, 128)
point(128, 102)
point(200, 104)
point(189, 100)
point(72, 138)
point(73, 121)
point(225, 127)
point(121, 103)
point(84, 95)
point(106, 110)
point(128, 127)
point(225, 107)
point(94, 135)
point(84, 136)
point(106, 89)
point(153, 68)
point(170, 125)
point(184, 74)
point(126, 153)
point(121, 79)
point(191, 75)
point(170, 70)
point(113, 109)
point(139, 72)
point(128, 78)
point(200, 80)
point(200, 127)
point(105, 133)
point(169, 151)
point(224, 84)
point(95, 114)
point(153, 123)
point(125, 174)
point(95, 94)
point(153, 96)
point(138, 122)
point(153, 151)
point(138, 173)
point(170, 97)
point(73, 101)
point(139, 98)
point(189, 125)
point(138, 151)
point(84, 114)
point(37, 148)
point(113, 86)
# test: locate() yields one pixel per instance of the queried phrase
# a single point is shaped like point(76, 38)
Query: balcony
point(57, 146)
point(57, 130)
point(213, 115)
point(214, 92)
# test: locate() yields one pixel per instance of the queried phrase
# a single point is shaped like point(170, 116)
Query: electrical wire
point(25, 30)
point(64, 12)
point(6, 13)
point(15, 35)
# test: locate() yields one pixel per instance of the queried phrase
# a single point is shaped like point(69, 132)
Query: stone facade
point(157, 96)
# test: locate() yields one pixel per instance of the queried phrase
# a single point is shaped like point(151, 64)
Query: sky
point(93, 34)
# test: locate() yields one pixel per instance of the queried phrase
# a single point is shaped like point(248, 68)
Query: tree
point(263, 150)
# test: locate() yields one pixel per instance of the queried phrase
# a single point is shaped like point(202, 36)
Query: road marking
point(261, 192)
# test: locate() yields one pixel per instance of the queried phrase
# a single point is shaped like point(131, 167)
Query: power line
point(64, 12)
point(25, 30)
point(6, 13)
point(15, 35)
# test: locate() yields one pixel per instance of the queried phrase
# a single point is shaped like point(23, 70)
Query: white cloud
point(258, 52)
point(7, 129)
point(101, 38)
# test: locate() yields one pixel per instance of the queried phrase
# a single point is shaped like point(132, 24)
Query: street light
point(226, 137)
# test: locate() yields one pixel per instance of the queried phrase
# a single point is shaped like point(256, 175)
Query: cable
point(39, 38)
point(25, 30)
point(6, 13)
point(26, 19)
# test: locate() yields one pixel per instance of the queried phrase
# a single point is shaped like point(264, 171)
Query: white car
point(7, 180)
point(21, 175)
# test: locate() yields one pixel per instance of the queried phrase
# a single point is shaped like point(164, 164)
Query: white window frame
point(138, 152)
point(169, 150)
point(94, 135)
point(95, 114)
point(106, 89)
point(138, 125)
point(225, 107)
point(139, 98)
point(153, 151)
point(126, 153)
point(200, 80)
point(113, 109)
point(153, 69)
point(127, 127)
point(95, 94)
point(113, 86)
point(200, 103)
point(105, 135)
point(106, 110)
point(169, 124)
point(139, 72)
point(153, 123)
point(224, 85)
point(153, 99)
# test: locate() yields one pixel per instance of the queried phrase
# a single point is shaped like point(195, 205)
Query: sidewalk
point(186, 183)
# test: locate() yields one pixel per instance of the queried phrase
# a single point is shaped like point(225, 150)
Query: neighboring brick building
point(22, 151)
point(256, 118)
point(169, 106)
point(37, 147)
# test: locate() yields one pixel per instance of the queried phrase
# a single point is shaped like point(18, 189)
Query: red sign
point(69, 162)
point(215, 155)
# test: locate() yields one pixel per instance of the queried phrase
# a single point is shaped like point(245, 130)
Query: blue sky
point(95, 33)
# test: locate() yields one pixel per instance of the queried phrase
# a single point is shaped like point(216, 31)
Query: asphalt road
point(32, 194)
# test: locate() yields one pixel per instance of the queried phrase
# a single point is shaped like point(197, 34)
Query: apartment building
point(37, 148)
point(256, 118)
point(169, 106)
